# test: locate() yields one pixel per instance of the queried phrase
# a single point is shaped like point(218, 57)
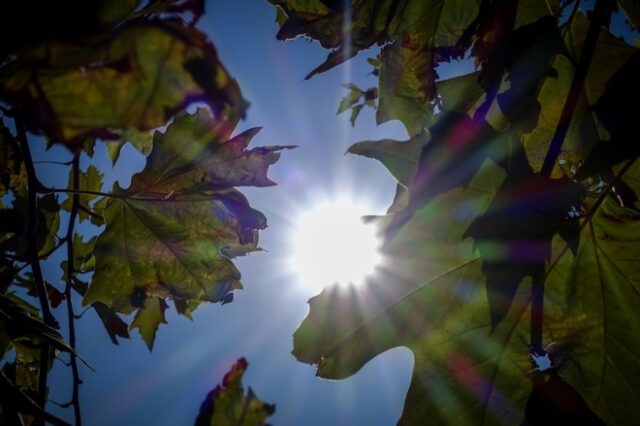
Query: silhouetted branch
point(75, 397)
point(34, 261)
point(600, 17)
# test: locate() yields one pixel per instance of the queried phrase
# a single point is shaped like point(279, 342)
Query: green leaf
point(149, 318)
point(457, 149)
point(399, 157)
point(355, 111)
point(407, 74)
point(136, 78)
point(141, 140)
point(352, 98)
point(228, 405)
point(167, 236)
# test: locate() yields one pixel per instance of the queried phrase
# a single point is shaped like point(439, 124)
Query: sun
point(331, 244)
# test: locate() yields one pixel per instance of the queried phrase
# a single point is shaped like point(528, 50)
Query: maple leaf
point(168, 235)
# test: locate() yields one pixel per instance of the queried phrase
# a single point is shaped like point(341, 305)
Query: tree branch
point(75, 397)
point(34, 261)
point(601, 16)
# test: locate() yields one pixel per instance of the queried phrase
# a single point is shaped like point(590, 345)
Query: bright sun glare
point(331, 244)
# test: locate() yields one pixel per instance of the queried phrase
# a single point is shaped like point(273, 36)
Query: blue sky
point(132, 386)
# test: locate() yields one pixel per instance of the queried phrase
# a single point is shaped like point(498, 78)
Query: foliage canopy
point(516, 216)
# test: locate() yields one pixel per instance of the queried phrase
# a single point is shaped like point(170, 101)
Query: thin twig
point(61, 242)
point(75, 397)
point(57, 163)
point(34, 261)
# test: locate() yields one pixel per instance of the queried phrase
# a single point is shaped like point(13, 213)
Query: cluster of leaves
point(516, 215)
point(357, 99)
point(112, 72)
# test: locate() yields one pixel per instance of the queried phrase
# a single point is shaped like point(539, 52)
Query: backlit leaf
point(149, 318)
point(168, 234)
point(430, 297)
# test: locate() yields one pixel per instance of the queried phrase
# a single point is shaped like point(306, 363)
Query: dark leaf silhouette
point(18, 322)
point(584, 130)
point(458, 147)
point(553, 401)
point(15, 401)
point(514, 235)
point(632, 10)
point(527, 61)
point(112, 322)
point(14, 226)
point(619, 117)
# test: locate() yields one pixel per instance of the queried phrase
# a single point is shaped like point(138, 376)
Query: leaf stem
point(34, 261)
point(75, 397)
point(75, 192)
point(601, 16)
point(153, 197)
